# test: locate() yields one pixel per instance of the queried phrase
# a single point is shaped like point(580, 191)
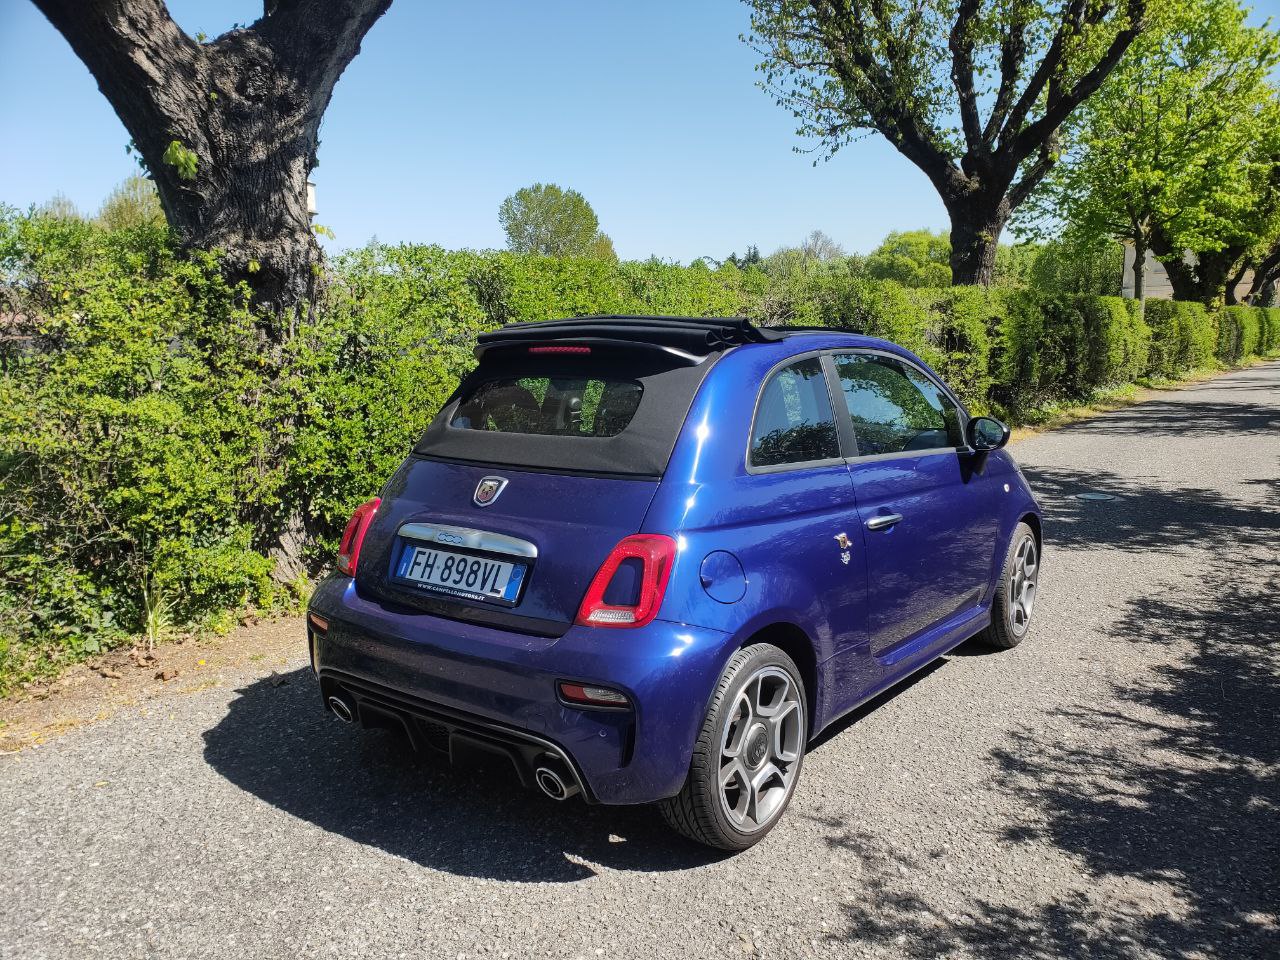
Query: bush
point(137, 440)
point(1240, 332)
point(1065, 348)
point(1184, 336)
point(1269, 335)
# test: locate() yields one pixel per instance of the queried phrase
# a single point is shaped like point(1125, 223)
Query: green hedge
point(1065, 348)
point(156, 441)
point(1184, 336)
point(1240, 333)
point(1269, 336)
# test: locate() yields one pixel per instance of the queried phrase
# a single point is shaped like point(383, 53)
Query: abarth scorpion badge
point(842, 541)
point(488, 489)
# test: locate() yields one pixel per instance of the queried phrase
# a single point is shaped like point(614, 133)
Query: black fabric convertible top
point(640, 450)
point(695, 335)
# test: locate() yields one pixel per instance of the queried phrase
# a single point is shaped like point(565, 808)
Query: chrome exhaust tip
point(341, 709)
point(554, 784)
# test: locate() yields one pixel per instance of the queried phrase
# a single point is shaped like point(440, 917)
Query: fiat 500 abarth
point(648, 559)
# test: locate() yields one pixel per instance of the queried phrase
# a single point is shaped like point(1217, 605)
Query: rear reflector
point(656, 553)
point(561, 349)
point(353, 536)
point(593, 696)
point(318, 622)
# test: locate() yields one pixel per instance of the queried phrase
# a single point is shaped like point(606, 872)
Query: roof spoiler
point(691, 337)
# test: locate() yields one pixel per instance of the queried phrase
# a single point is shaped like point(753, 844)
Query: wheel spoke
point(760, 749)
point(730, 771)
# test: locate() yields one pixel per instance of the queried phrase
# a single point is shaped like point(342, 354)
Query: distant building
point(1156, 278)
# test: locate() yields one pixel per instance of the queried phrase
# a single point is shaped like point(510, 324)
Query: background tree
point(133, 203)
point(547, 220)
point(914, 258)
point(60, 207)
point(1176, 152)
point(910, 68)
point(227, 128)
point(819, 246)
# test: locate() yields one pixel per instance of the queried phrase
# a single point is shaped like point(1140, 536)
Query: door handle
point(884, 522)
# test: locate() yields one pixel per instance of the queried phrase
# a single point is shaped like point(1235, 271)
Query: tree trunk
point(1264, 272)
point(1203, 281)
point(228, 129)
point(1140, 271)
point(976, 225)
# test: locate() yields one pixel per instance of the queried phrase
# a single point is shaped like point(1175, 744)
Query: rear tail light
point(353, 536)
point(655, 553)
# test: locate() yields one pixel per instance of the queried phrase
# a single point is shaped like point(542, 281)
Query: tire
point(1010, 617)
point(756, 731)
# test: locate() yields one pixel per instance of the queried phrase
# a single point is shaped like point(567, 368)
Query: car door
point(806, 529)
point(927, 521)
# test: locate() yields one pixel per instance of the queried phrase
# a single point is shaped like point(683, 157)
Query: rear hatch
point(540, 463)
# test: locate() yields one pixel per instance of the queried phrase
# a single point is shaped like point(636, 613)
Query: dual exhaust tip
point(342, 709)
point(553, 780)
point(551, 776)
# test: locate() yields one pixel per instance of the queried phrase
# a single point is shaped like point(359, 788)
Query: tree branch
point(961, 44)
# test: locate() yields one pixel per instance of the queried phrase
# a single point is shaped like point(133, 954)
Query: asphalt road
point(1110, 788)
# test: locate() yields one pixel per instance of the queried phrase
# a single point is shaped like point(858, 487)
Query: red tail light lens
point(566, 348)
point(353, 536)
point(656, 553)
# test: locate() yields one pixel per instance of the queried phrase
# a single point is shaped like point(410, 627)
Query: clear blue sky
point(649, 109)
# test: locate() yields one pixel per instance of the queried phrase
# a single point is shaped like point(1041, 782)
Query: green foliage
point(134, 419)
point(181, 159)
point(134, 203)
point(1240, 332)
point(1184, 337)
point(548, 220)
point(1059, 347)
point(914, 258)
point(1178, 149)
point(1269, 335)
point(1078, 264)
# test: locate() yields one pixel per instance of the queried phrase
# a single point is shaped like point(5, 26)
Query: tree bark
point(247, 106)
point(1264, 272)
point(1140, 271)
point(976, 225)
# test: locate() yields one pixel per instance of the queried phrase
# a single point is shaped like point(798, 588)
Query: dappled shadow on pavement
point(1144, 515)
point(277, 743)
point(1175, 783)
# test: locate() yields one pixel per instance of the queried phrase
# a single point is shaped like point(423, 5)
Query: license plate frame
point(409, 548)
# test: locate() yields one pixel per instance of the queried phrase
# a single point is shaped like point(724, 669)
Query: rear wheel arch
point(795, 643)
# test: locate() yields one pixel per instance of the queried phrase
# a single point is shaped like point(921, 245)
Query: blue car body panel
point(757, 550)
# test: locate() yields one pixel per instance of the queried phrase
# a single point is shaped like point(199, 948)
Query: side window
point(794, 422)
point(895, 408)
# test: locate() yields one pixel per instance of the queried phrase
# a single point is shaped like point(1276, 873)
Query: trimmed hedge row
point(155, 445)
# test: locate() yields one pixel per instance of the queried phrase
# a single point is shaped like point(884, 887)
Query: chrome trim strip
point(450, 536)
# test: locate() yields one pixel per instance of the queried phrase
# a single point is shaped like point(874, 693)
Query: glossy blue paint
point(758, 550)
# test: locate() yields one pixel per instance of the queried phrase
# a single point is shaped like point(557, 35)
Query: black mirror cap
point(987, 433)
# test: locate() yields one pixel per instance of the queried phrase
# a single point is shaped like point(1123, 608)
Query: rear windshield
point(547, 406)
point(610, 410)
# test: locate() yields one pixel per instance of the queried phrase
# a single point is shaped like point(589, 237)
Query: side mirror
point(986, 433)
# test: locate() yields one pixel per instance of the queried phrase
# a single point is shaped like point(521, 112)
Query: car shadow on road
point(277, 743)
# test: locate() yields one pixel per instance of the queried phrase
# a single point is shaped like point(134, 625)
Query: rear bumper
point(477, 681)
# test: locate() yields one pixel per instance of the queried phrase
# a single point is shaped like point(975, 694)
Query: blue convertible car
point(649, 558)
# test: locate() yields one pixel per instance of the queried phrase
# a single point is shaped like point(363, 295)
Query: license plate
point(460, 574)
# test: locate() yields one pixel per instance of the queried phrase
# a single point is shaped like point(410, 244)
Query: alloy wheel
point(761, 748)
point(1022, 585)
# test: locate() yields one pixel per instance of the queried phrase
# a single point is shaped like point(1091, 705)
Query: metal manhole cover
point(1092, 495)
